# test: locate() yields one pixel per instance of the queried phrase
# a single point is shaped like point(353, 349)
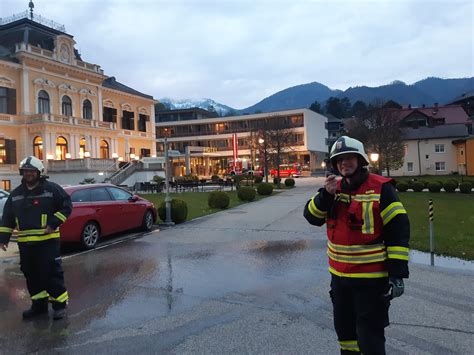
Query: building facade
point(438, 141)
point(62, 109)
point(205, 146)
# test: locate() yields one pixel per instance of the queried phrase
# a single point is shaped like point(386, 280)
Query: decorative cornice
point(108, 103)
point(87, 91)
point(6, 81)
point(67, 87)
point(44, 82)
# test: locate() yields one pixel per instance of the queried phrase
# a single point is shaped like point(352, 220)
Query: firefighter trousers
point(360, 314)
point(41, 264)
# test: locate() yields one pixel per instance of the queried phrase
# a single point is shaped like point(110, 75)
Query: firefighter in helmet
point(368, 233)
point(36, 209)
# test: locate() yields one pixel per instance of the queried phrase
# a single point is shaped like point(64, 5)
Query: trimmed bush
point(215, 178)
point(179, 211)
point(289, 182)
point(218, 199)
point(425, 183)
point(449, 186)
point(276, 181)
point(465, 187)
point(402, 186)
point(265, 189)
point(246, 193)
point(258, 179)
point(434, 187)
point(454, 182)
point(418, 186)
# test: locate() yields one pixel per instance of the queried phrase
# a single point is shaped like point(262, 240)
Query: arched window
point(38, 147)
point(43, 102)
point(87, 109)
point(82, 147)
point(61, 148)
point(66, 106)
point(104, 149)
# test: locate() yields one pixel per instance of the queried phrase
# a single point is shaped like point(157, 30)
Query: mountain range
point(427, 91)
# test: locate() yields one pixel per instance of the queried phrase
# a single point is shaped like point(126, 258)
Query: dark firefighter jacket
point(368, 228)
point(30, 211)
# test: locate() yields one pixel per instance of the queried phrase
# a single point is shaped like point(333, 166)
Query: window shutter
point(114, 115)
point(10, 150)
point(11, 101)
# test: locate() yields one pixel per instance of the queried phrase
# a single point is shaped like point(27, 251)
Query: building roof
point(443, 131)
point(112, 83)
point(465, 96)
point(453, 114)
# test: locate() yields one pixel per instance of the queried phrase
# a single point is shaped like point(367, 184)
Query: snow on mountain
point(207, 104)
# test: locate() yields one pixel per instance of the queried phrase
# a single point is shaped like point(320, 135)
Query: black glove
point(395, 288)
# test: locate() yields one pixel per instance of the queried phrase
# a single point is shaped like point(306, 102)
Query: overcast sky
point(238, 52)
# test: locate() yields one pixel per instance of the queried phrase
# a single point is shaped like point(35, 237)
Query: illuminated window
point(104, 149)
point(38, 147)
point(61, 148)
point(82, 147)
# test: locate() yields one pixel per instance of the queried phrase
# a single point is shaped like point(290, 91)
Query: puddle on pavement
point(280, 246)
point(443, 261)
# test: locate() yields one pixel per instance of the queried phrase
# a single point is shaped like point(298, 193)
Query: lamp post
point(374, 158)
point(265, 169)
point(168, 220)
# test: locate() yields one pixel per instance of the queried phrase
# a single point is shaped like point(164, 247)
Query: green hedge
point(276, 181)
point(434, 186)
point(450, 186)
point(218, 199)
point(402, 186)
point(179, 211)
point(246, 193)
point(289, 182)
point(265, 188)
point(417, 186)
point(258, 179)
point(465, 187)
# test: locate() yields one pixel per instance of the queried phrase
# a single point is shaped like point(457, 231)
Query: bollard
point(431, 215)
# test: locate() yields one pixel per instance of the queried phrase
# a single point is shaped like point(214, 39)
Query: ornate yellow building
point(63, 110)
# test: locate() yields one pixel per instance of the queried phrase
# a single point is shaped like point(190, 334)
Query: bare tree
point(276, 139)
point(378, 128)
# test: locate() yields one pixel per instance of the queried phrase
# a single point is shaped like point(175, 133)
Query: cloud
point(239, 51)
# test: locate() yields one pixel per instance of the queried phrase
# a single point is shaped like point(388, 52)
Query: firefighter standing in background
point(36, 209)
point(368, 233)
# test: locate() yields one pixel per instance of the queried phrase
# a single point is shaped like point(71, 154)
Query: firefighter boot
point(59, 313)
point(38, 308)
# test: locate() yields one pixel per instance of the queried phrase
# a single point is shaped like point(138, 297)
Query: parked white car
point(3, 199)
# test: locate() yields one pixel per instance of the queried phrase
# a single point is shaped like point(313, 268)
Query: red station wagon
point(104, 209)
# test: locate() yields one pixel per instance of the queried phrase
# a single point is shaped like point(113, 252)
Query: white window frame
point(410, 165)
point(439, 148)
point(438, 166)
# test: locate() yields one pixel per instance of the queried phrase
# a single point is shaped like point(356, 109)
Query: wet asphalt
point(248, 280)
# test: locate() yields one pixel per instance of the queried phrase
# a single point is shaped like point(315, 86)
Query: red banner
point(235, 152)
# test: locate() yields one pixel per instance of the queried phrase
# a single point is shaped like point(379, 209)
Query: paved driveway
point(248, 280)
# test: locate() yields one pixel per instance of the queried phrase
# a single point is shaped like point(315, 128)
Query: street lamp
point(374, 158)
point(168, 220)
point(265, 168)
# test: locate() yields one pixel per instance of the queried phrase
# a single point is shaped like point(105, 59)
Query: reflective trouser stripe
point(62, 298)
point(362, 275)
point(349, 345)
point(38, 238)
point(42, 294)
point(6, 230)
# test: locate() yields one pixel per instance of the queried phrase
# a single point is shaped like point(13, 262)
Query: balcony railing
point(74, 121)
point(86, 164)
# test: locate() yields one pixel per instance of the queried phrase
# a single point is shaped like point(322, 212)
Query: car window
point(119, 194)
point(100, 194)
point(81, 196)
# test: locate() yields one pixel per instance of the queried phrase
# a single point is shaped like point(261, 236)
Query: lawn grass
point(436, 178)
point(453, 222)
point(197, 202)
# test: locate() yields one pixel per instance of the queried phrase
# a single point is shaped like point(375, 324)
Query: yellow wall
point(469, 153)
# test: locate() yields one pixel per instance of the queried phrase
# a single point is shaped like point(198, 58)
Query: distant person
point(36, 209)
point(368, 233)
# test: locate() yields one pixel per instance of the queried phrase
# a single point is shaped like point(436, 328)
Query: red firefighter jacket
point(367, 228)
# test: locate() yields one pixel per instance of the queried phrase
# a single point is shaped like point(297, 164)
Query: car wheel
point(90, 235)
point(148, 221)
